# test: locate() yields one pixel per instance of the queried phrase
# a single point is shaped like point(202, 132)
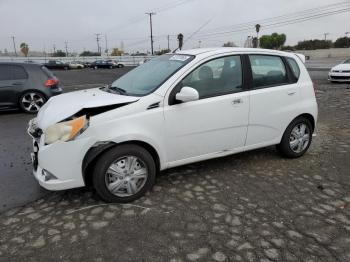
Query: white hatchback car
point(176, 109)
point(340, 73)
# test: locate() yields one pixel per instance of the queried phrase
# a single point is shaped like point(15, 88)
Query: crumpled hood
point(342, 67)
point(60, 107)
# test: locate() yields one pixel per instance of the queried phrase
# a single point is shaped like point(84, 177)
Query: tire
point(111, 67)
point(120, 65)
point(31, 101)
point(95, 67)
point(65, 68)
point(123, 179)
point(294, 143)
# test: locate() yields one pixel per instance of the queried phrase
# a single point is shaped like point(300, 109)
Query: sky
point(47, 23)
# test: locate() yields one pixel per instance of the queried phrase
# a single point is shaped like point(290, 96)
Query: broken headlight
point(66, 131)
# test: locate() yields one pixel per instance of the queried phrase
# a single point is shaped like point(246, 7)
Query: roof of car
point(218, 50)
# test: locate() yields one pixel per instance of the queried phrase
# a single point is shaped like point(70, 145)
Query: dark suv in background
point(26, 86)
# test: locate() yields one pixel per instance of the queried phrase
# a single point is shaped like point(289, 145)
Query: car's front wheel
point(31, 101)
point(124, 173)
point(297, 138)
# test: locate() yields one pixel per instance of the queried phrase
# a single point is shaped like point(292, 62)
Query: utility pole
point(150, 23)
point(325, 36)
point(199, 43)
point(106, 50)
point(54, 48)
point(14, 45)
point(168, 38)
point(66, 46)
point(98, 43)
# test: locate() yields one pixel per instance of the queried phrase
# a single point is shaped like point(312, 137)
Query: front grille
point(341, 77)
point(341, 71)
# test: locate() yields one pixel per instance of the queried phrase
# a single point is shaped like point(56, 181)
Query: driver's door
point(214, 124)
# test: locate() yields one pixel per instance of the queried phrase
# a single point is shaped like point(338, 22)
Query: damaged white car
point(176, 109)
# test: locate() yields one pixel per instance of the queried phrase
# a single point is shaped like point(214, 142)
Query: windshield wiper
point(118, 89)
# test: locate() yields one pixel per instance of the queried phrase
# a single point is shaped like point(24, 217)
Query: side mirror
point(187, 94)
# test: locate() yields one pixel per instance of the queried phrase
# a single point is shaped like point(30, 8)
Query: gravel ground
point(254, 206)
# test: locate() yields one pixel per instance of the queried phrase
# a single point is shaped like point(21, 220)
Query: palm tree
point(24, 49)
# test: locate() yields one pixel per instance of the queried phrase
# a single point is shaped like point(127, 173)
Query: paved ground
point(253, 206)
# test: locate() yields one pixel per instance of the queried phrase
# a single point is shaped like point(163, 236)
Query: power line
point(280, 23)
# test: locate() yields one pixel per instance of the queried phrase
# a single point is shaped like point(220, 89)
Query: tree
point(24, 49)
point(342, 42)
point(89, 53)
point(59, 53)
point(116, 52)
point(229, 44)
point(274, 41)
point(314, 44)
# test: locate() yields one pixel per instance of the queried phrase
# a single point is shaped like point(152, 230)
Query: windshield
point(147, 77)
point(347, 61)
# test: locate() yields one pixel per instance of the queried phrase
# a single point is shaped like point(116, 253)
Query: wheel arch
point(93, 154)
point(308, 117)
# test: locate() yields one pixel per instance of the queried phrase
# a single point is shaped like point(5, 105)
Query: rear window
point(294, 66)
point(47, 71)
point(268, 71)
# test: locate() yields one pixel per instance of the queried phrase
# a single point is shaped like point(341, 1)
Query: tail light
point(51, 82)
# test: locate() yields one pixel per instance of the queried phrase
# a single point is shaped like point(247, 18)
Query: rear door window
point(5, 72)
point(12, 72)
point(268, 71)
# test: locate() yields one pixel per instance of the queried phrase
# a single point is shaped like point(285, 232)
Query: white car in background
point(176, 109)
point(76, 65)
point(340, 73)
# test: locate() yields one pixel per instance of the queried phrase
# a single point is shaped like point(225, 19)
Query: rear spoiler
point(301, 57)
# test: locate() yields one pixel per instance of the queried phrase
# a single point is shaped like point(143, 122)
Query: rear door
point(12, 82)
point(274, 98)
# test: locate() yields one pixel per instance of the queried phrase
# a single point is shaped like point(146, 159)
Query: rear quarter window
point(19, 72)
point(294, 66)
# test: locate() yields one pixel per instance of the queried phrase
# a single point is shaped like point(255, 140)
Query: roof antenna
point(180, 36)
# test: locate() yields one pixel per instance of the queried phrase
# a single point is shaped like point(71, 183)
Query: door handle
point(237, 101)
point(291, 93)
point(16, 83)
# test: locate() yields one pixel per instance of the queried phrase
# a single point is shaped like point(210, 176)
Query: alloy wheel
point(32, 102)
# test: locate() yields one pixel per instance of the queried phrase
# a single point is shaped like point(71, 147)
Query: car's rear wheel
point(95, 67)
point(30, 102)
point(124, 173)
point(120, 65)
point(297, 138)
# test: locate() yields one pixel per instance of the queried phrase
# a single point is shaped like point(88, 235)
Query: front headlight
point(65, 131)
